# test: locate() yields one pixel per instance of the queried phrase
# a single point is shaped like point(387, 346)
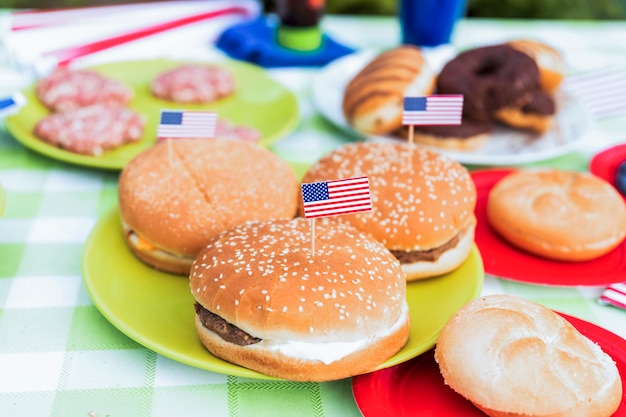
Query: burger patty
point(67, 89)
point(91, 130)
point(192, 83)
point(430, 255)
point(224, 329)
point(225, 130)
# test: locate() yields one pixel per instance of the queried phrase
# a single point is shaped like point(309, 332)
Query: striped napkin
point(615, 295)
point(603, 91)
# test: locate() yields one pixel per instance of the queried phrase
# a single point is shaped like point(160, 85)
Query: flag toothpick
point(312, 237)
point(335, 197)
point(444, 109)
point(177, 124)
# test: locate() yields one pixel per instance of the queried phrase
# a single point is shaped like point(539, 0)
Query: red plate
point(416, 388)
point(605, 163)
point(509, 262)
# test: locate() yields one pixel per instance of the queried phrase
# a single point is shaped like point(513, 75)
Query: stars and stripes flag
point(187, 124)
point(614, 294)
point(335, 197)
point(602, 91)
point(433, 110)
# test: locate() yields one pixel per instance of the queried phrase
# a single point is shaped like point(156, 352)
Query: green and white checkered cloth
point(60, 357)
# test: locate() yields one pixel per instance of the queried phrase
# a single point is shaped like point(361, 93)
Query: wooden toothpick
point(312, 237)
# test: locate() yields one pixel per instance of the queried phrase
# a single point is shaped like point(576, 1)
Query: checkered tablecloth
point(60, 357)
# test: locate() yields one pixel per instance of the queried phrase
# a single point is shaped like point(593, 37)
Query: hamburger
point(422, 203)
point(266, 299)
point(178, 194)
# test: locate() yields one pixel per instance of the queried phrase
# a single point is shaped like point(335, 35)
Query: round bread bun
point(557, 214)
point(552, 66)
point(514, 358)
point(178, 194)
point(422, 202)
point(339, 313)
point(374, 98)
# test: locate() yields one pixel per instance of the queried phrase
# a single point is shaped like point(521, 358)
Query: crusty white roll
point(422, 202)
point(515, 358)
point(178, 194)
point(266, 301)
point(373, 99)
point(552, 66)
point(557, 214)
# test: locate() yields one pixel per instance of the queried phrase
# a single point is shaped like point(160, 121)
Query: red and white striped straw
point(64, 56)
point(615, 295)
point(40, 18)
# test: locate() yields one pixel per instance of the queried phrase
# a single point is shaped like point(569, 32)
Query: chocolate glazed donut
point(490, 78)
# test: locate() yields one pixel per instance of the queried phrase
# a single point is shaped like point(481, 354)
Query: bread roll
point(512, 357)
point(373, 99)
point(562, 215)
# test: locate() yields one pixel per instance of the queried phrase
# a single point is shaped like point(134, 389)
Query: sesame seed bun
point(421, 199)
point(557, 214)
point(176, 195)
point(339, 313)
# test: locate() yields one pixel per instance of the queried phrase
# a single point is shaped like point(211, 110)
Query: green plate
point(259, 102)
point(156, 309)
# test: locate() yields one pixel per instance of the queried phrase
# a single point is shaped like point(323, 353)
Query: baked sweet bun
point(178, 194)
point(557, 214)
point(552, 66)
point(373, 100)
point(422, 202)
point(265, 301)
point(515, 358)
point(469, 135)
point(535, 113)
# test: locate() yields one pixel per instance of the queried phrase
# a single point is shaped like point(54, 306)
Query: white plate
point(505, 147)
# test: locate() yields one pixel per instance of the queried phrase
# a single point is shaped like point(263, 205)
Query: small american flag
point(602, 91)
point(187, 124)
point(614, 294)
point(335, 197)
point(433, 110)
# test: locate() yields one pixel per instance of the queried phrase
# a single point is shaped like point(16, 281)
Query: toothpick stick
point(312, 237)
point(411, 135)
point(170, 151)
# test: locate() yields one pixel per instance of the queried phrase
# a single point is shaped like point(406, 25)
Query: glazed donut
point(490, 78)
point(552, 67)
point(469, 135)
point(535, 115)
point(373, 100)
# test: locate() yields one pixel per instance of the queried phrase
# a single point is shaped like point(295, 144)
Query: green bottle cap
point(299, 38)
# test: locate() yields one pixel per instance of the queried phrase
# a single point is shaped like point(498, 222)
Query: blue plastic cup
point(429, 22)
